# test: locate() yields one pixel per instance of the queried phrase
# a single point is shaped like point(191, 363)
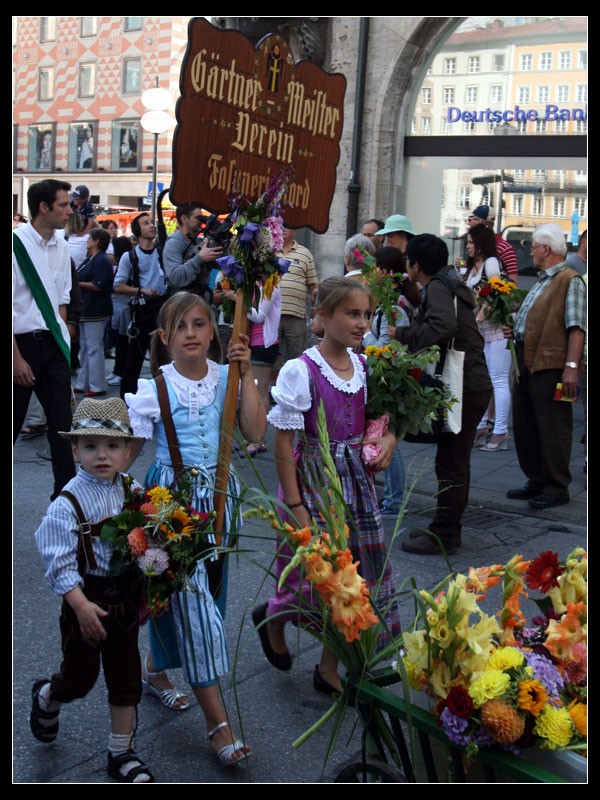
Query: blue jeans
point(393, 491)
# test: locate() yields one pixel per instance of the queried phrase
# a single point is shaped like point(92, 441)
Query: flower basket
point(497, 680)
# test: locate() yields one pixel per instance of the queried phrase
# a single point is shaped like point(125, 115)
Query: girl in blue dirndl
point(191, 634)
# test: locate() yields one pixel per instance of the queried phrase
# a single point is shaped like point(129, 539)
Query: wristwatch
point(571, 364)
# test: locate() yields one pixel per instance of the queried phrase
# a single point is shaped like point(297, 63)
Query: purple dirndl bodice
point(345, 413)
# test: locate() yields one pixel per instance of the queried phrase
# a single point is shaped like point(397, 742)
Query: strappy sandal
point(228, 755)
point(481, 435)
point(43, 733)
point(135, 766)
point(168, 697)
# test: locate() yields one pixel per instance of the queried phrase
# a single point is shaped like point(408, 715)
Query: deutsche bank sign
point(517, 114)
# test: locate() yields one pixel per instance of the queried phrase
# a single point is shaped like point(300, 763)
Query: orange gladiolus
point(318, 569)
point(302, 536)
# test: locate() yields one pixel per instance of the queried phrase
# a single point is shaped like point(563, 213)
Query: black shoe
point(544, 500)
point(524, 493)
point(428, 546)
point(43, 733)
point(321, 685)
point(279, 661)
point(137, 767)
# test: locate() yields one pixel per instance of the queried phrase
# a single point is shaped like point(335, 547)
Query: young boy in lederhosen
point(99, 616)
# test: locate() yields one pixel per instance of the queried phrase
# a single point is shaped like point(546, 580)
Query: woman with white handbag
point(445, 318)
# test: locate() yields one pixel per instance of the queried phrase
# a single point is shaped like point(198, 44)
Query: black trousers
point(53, 389)
point(543, 430)
point(453, 469)
point(138, 347)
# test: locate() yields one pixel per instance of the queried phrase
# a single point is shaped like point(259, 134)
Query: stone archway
point(383, 160)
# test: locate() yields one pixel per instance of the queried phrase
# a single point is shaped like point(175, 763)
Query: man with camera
point(187, 259)
point(140, 277)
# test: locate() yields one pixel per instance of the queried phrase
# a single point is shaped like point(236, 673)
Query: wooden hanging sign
point(244, 113)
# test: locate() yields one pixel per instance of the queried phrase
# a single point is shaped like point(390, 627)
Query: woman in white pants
point(483, 263)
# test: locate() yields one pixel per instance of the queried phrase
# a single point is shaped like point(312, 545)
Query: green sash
point(40, 295)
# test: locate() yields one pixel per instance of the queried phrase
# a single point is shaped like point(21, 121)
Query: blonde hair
point(75, 224)
point(169, 318)
point(335, 290)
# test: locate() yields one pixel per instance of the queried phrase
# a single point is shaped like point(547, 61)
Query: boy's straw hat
point(101, 418)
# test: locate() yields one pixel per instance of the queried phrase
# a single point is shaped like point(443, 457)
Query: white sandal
point(168, 697)
point(228, 755)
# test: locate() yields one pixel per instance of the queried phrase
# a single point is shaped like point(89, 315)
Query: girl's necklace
point(333, 367)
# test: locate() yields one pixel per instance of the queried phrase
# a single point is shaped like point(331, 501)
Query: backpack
point(144, 310)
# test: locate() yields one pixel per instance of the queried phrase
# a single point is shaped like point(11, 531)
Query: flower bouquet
point(258, 239)
point(497, 680)
point(158, 538)
point(396, 389)
point(383, 284)
point(499, 300)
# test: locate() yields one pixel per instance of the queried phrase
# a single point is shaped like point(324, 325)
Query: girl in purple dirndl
point(334, 373)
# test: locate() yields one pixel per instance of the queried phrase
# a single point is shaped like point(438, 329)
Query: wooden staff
point(240, 325)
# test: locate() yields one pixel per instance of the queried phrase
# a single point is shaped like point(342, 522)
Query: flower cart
point(501, 697)
point(418, 751)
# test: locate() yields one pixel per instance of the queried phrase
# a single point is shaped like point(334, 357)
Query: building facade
point(420, 136)
point(77, 86)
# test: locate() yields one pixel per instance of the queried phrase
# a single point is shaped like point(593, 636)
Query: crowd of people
point(164, 305)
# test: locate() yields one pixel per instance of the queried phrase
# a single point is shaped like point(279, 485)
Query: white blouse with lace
point(144, 408)
point(292, 390)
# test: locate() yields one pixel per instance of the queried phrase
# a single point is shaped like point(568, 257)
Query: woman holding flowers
point(403, 300)
point(334, 374)
point(446, 314)
point(192, 633)
point(484, 264)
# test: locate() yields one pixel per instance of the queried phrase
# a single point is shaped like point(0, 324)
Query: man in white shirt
point(41, 342)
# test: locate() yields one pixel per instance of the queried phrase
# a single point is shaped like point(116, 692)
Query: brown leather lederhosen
point(113, 592)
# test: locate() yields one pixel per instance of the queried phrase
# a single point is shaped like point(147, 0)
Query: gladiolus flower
point(302, 536)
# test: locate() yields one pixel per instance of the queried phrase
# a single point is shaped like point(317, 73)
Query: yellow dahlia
point(489, 686)
point(505, 658)
point(503, 723)
point(532, 696)
point(160, 495)
point(555, 726)
point(578, 712)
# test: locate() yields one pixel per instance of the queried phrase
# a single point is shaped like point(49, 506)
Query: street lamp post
point(156, 121)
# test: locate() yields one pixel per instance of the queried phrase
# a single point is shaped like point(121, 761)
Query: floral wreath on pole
point(258, 238)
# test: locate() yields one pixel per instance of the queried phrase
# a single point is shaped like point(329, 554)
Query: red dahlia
point(459, 702)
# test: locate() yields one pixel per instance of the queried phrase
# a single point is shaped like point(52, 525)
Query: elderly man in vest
point(549, 334)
